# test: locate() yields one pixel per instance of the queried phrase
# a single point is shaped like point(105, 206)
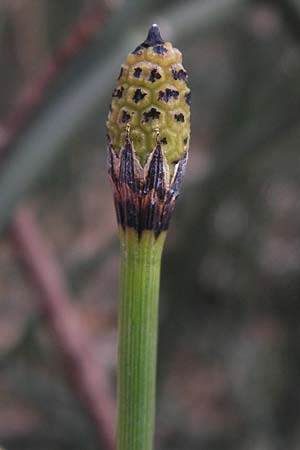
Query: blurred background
point(229, 347)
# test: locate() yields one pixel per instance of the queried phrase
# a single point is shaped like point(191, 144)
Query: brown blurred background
point(229, 348)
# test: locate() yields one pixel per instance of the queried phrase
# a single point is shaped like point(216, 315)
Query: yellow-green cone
point(152, 96)
point(148, 131)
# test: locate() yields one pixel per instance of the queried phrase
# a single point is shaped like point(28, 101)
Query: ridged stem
point(138, 324)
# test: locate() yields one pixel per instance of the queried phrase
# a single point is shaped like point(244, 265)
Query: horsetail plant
point(148, 130)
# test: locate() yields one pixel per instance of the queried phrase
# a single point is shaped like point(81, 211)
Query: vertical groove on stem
point(138, 324)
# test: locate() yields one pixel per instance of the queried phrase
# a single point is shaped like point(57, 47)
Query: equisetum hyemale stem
point(148, 131)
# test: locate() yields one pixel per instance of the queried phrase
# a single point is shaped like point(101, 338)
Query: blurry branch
point(89, 379)
point(71, 105)
point(34, 91)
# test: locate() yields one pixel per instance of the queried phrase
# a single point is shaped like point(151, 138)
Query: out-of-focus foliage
point(229, 337)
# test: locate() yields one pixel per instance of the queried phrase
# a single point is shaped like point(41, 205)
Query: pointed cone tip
point(154, 36)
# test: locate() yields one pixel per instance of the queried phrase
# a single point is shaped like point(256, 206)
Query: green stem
point(138, 324)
